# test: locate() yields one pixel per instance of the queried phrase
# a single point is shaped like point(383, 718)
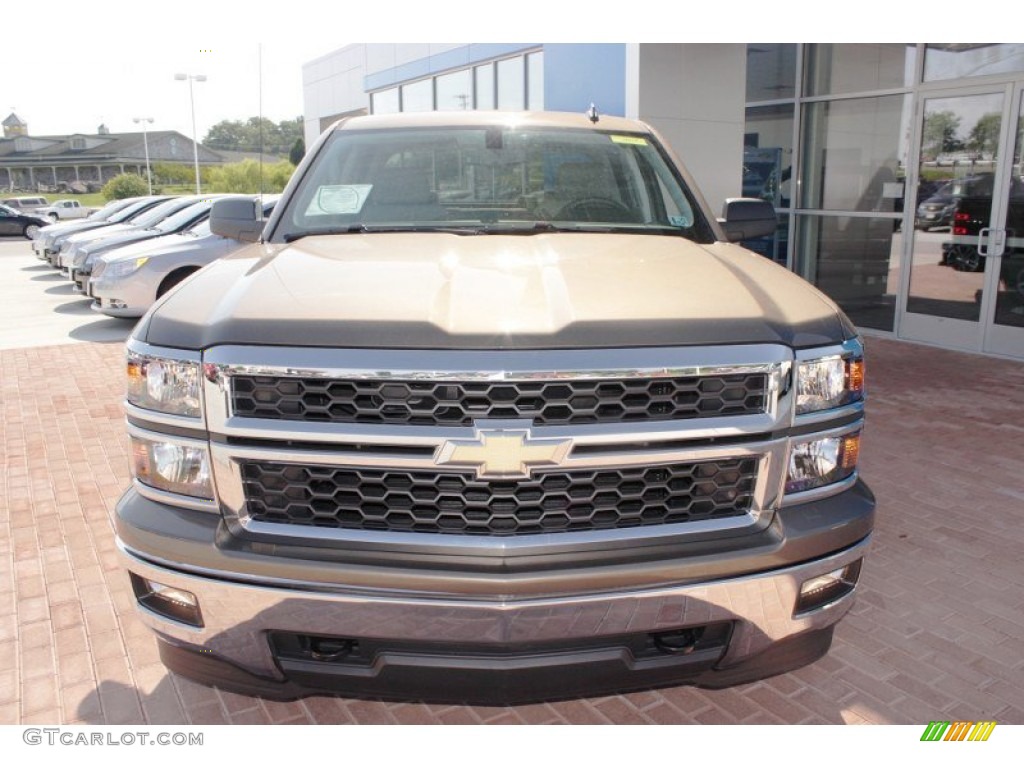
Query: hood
point(131, 250)
point(437, 290)
point(107, 230)
point(119, 240)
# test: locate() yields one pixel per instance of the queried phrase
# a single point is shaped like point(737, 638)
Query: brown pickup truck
point(493, 410)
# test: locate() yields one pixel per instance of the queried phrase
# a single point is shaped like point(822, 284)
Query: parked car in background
point(146, 216)
point(25, 204)
point(14, 222)
point(126, 281)
point(173, 223)
point(65, 209)
point(50, 240)
point(937, 210)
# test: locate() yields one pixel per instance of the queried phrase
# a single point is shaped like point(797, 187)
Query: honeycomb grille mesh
point(546, 402)
point(460, 503)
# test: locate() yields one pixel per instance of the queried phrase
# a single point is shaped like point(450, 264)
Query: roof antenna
point(592, 113)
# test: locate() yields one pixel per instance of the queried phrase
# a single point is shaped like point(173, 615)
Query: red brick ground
point(937, 632)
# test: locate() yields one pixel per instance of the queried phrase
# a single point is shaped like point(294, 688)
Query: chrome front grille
point(394, 447)
point(459, 503)
point(460, 403)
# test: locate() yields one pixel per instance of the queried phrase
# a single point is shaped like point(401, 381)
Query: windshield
point(108, 210)
point(161, 212)
point(131, 211)
point(492, 179)
point(184, 217)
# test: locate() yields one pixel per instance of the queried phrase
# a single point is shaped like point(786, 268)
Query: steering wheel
point(594, 209)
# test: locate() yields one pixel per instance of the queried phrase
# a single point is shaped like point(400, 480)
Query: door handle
point(983, 241)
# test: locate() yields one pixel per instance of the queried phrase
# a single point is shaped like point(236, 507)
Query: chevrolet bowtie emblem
point(503, 453)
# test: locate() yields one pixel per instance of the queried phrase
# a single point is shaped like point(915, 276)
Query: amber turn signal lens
point(851, 451)
point(855, 375)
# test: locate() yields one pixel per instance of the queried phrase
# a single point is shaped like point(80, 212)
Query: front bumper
point(521, 636)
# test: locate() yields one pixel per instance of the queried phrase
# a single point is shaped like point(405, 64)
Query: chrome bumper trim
point(238, 615)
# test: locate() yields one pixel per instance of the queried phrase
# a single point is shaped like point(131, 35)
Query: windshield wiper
point(291, 237)
point(483, 228)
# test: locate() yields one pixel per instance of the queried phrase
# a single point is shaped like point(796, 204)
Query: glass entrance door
point(968, 223)
point(1004, 329)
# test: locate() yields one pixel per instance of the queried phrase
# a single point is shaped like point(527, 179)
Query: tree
point(125, 185)
point(244, 177)
point(227, 134)
point(174, 173)
point(940, 132)
point(245, 135)
point(298, 151)
point(984, 136)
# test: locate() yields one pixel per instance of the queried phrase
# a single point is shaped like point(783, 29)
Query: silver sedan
point(126, 281)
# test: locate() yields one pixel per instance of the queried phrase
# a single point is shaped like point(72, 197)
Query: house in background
point(36, 163)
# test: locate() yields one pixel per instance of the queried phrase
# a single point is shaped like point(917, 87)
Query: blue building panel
point(579, 74)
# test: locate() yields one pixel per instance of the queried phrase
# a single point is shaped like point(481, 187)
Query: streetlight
point(145, 143)
point(192, 101)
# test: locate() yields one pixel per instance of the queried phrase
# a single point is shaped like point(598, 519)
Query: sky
point(76, 63)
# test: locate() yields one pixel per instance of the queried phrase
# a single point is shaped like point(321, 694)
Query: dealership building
point(895, 169)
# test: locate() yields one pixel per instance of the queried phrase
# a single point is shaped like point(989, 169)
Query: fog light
point(822, 462)
point(826, 589)
point(172, 466)
point(169, 602)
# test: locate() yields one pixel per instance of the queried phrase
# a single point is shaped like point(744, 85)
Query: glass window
point(484, 78)
point(771, 71)
point(945, 61)
point(418, 96)
point(853, 67)
point(855, 261)
point(768, 154)
point(496, 178)
point(854, 154)
point(384, 102)
point(455, 91)
point(535, 81)
point(773, 246)
point(511, 84)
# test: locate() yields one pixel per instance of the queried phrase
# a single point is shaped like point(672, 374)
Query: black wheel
point(965, 258)
point(52, 216)
point(30, 231)
point(594, 209)
point(172, 280)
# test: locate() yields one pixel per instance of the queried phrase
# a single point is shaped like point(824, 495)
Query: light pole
point(192, 101)
point(145, 144)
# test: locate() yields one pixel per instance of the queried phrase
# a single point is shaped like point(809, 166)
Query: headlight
point(164, 385)
point(829, 382)
point(172, 466)
point(826, 460)
point(119, 268)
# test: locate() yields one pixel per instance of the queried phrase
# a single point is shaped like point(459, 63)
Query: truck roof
point(475, 118)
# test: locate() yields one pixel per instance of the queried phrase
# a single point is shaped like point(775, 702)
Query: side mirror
point(744, 218)
point(236, 219)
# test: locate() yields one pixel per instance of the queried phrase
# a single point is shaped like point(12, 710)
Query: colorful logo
point(961, 730)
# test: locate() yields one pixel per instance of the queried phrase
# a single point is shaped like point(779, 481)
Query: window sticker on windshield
point(680, 221)
point(640, 141)
point(339, 199)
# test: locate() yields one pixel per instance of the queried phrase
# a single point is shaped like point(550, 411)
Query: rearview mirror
point(236, 219)
point(744, 218)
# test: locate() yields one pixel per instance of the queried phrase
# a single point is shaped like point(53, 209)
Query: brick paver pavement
point(937, 631)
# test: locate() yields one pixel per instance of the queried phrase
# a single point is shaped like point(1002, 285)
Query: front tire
point(30, 231)
point(173, 279)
